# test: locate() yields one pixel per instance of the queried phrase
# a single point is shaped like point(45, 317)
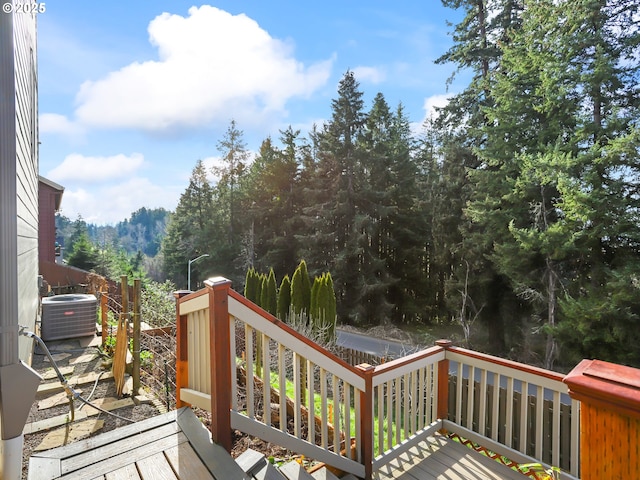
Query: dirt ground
point(77, 349)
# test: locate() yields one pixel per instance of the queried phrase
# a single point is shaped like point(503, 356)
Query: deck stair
point(255, 465)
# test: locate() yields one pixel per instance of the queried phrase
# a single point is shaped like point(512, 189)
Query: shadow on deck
point(443, 458)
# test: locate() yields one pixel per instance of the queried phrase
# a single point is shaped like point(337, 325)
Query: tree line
point(130, 247)
point(516, 207)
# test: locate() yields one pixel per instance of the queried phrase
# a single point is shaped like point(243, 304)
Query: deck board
point(439, 457)
point(173, 446)
point(128, 472)
point(186, 463)
point(156, 467)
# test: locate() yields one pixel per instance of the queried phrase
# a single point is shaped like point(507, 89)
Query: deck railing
point(517, 410)
point(271, 382)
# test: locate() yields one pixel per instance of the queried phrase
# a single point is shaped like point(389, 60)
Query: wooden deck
point(171, 446)
point(439, 457)
point(176, 446)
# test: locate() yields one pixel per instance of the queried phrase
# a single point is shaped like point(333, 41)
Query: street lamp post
point(190, 262)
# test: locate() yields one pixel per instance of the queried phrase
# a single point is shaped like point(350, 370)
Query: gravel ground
point(103, 389)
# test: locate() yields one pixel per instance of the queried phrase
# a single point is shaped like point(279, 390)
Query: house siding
point(27, 176)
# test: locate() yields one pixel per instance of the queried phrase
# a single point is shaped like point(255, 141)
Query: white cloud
point(432, 103)
point(77, 167)
point(116, 202)
point(59, 124)
point(212, 66)
point(369, 74)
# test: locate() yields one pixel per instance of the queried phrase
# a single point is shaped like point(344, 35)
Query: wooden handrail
point(529, 369)
point(290, 331)
point(409, 362)
point(421, 379)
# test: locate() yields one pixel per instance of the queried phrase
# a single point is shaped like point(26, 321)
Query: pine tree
point(83, 255)
point(600, 56)
point(333, 238)
point(551, 197)
point(479, 40)
point(192, 229)
point(234, 156)
point(275, 203)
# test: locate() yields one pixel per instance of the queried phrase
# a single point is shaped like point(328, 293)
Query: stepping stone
point(49, 423)
point(57, 357)
point(64, 347)
point(69, 434)
point(51, 373)
point(55, 400)
point(49, 387)
point(86, 358)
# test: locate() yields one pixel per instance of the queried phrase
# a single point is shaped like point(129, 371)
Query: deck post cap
point(216, 281)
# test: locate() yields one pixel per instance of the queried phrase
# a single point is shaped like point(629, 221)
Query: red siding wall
point(46, 219)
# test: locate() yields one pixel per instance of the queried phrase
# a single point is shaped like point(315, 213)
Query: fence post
point(366, 419)
point(182, 358)
point(220, 361)
point(122, 339)
point(136, 336)
point(443, 382)
point(104, 307)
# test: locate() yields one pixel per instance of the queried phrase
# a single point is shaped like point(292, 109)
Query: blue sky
point(133, 94)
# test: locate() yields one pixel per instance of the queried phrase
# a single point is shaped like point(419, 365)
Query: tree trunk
point(551, 347)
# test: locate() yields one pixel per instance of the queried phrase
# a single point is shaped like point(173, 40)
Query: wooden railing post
point(366, 420)
point(609, 418)
point(220, 335)
point(137, 294)
point(104, 307)
point(182, 354)
point(443, 382)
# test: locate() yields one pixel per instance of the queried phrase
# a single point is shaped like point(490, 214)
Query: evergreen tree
point(373, 222)
point(323, 307)
point(333, 238)
point(274, 203)
point(301, 290)
point(327, 309)
point(261, 293)
point(251, 286)
point(83, 255)
point(478, 43)
point(234, 161)
point(192, 229)
point(544, 197)
point(314, 309)
point(600, 56)
point(270, 293)
point(284, 299)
